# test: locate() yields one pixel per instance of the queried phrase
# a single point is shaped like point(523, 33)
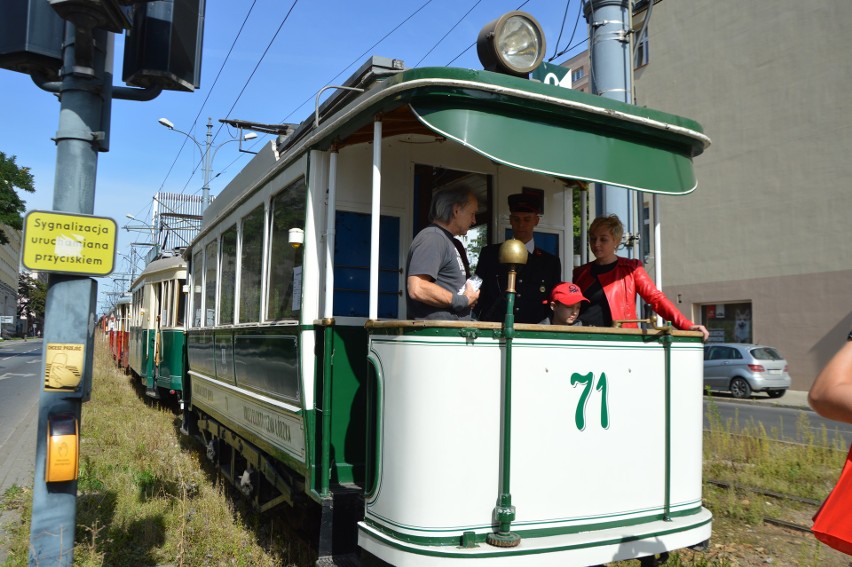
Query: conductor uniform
point(533, 282)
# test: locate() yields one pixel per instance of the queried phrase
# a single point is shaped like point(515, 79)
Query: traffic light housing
point(163, 46)
point(31, 34)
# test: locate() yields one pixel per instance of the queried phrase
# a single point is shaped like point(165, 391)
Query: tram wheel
point(740, 388)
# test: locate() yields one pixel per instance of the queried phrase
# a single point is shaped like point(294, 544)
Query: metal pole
point(504, 512)
point(71, 300)
point(611, 70)
point(207, 164)
point(376, 211)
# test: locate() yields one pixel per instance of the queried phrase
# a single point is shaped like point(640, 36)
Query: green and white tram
point(157, 341)
point(436, 441)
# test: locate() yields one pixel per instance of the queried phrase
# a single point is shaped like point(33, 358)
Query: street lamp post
point(206, 155)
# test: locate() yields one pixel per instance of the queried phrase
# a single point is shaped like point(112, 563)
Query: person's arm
point(661, 304)
point(831, 393)
point(421, 288)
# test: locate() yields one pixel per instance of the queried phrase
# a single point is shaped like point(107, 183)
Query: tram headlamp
point(512, 44)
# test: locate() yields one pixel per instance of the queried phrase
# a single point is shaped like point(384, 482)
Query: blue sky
point(321, 42)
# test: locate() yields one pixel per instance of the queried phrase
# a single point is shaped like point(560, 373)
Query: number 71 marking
point(586, 380)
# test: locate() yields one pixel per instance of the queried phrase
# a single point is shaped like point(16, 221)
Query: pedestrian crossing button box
point(63, 448)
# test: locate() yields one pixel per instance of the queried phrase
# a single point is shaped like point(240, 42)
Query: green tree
point(32, 296)
point(12, 178)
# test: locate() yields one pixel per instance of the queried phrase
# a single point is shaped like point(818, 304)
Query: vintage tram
point(157, 332)
point(431, 442)
point(119, 332)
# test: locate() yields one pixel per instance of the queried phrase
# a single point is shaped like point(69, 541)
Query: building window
point(641, 55)
point(728, 322)
point(577, 74)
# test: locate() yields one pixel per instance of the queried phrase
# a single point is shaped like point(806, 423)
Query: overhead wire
point(262, 57)
point(460, 20)
point(573, 33)
point(361, 56)
point(343, 70)
point(206, 98)
point(561, 29)
point(246, 84)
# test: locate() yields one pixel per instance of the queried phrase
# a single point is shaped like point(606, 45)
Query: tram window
point(251, 261)
point(180, 302)
point(164, 299)
point(285, 261)
point(155, 315)
point(197, 259)
point(210, 253)
point(229, 276)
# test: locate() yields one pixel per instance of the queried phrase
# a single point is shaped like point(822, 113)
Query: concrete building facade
point(758, 253)
point(10, 258)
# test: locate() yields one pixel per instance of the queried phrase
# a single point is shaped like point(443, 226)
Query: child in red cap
point(565, 301)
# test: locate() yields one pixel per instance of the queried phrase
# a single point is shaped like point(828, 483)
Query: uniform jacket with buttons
point(532, 285)
point(620, 286)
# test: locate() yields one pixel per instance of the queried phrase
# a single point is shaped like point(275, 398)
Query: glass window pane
point(180, 302)
point(210, 283)
point(229, 276)
point(250, 266)
point(197, 259)
point(285, 262)
point(165, 308)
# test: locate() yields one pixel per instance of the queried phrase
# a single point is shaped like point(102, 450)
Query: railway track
point(776, 495)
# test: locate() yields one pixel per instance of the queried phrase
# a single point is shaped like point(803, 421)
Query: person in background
point(565, 301)
point(534, 280)
point(611, 283)
point(437, 268)
point(831, 393)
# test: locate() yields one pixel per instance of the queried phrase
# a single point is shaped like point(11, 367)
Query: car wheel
point(740, 388)
point(776, 393)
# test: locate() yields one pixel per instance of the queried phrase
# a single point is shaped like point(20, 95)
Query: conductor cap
point(521, 203)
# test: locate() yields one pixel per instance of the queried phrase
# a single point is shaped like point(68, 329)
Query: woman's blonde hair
point(611, 223)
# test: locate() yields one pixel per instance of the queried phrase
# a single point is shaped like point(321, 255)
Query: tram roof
point(161, 266)
point(555, 131)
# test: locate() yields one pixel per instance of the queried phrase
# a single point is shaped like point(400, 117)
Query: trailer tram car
point(119, 336)
point(427, 442)
point(157, 338)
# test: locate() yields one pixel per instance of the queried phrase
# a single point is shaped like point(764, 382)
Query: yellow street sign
point(69, 243)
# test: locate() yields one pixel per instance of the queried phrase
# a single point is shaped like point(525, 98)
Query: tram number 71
point(587, 380)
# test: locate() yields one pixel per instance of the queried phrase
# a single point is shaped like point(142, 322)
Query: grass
point(147, 497)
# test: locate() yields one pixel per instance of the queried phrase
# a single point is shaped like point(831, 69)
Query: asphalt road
point(785, 420)
point(20, 381)
point(20, 369)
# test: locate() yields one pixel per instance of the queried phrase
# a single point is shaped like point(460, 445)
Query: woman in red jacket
point(611, 283)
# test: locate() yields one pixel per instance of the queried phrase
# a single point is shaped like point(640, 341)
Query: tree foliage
point(32, 296)
point(12, 178)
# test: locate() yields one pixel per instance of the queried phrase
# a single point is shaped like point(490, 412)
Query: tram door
point(352, 266)
point(428, 179)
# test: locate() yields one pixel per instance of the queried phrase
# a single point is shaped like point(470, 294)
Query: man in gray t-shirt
point(437, 268)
